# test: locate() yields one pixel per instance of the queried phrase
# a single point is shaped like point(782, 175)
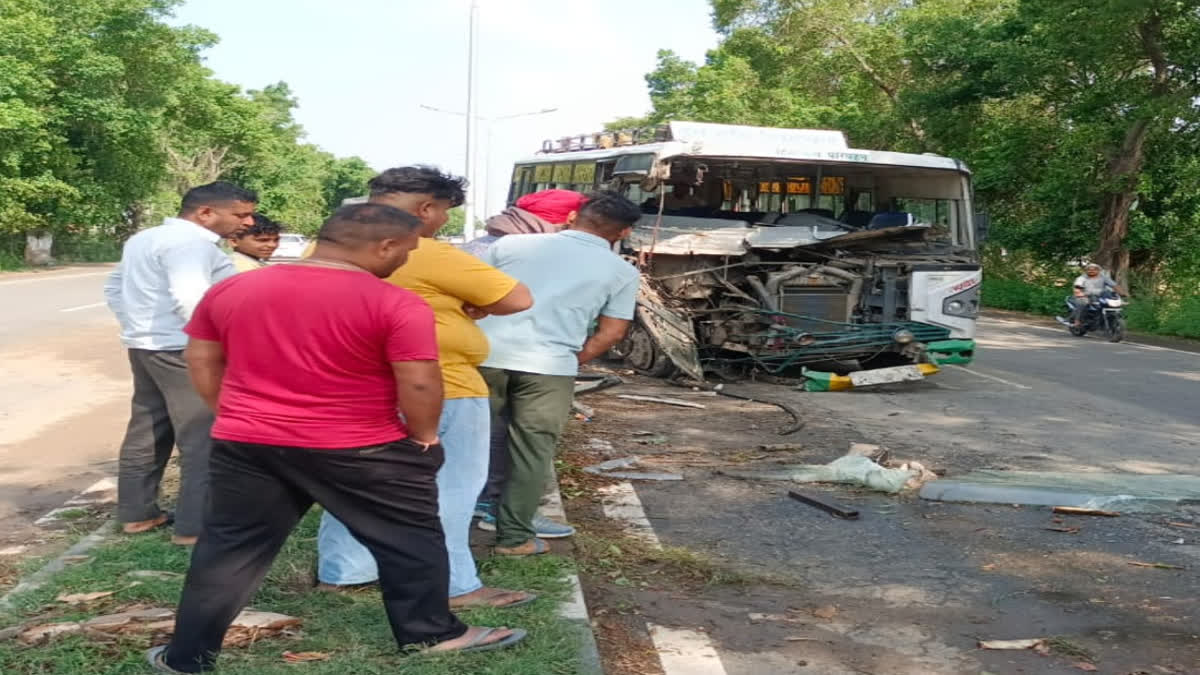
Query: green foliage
point(1062, 109)
point(454, 226)
point(107, 116)
point(1022, 296)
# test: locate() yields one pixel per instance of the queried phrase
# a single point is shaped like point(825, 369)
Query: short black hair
point(216, 194)
point(608, 212)
point(262, 225)
point(420, 180)
point(356, 224)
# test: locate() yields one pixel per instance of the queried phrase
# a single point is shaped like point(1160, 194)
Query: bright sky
point(362, 68)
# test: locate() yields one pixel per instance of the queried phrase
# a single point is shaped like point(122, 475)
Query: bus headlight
point(903, 336)
point(954, 307)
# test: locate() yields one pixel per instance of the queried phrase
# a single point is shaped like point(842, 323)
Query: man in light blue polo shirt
point(575, 279)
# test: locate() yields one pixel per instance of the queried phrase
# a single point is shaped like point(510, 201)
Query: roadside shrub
point(1022, 296)
point(1143, 313)
point(1182, 318)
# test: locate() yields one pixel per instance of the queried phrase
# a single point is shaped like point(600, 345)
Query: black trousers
point(386, 495)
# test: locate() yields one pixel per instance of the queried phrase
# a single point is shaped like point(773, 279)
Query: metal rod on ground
point(831, 509)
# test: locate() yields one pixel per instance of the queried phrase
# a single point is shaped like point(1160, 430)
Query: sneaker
point(543, 526)
point(487, 521)
point(483, 509)
point(551, 529)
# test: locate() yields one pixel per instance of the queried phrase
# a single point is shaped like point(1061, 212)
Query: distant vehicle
point(1103, 315)
point(290, 246)
point(774, 248)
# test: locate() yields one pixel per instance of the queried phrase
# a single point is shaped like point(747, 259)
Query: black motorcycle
point(1103, 314)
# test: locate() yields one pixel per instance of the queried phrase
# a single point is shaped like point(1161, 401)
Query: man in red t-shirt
point(306, 366)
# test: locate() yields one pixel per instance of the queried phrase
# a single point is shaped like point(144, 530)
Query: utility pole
point(469, 207)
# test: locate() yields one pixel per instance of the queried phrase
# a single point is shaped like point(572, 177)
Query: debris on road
point(609, 470)
point(1076, 511)
point(1039, 645)
point(797, 419)
point(665, 401)
point(832, 509)
point(1157, 565)
point(582, 409)
point(852, 469)
point(1067, 530)
point(1178, 524)
point(1111, 492)
point(620, 463)
point(593, 385)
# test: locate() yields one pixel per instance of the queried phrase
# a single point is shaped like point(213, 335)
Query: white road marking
point(685, 652)
point(574, 607)
point(51, 277)
point(621, 503)
point(976, 373)
point(1061, 332)
point(81, 307)
point(102, 492)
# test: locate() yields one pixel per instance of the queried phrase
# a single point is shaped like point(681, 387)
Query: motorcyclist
point(1088, 287)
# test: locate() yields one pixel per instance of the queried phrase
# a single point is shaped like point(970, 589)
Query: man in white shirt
point(163, 274)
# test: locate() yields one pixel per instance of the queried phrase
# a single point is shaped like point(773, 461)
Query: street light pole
point(469, 207)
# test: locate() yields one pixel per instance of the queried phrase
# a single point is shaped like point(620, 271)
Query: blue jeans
point(464, 428)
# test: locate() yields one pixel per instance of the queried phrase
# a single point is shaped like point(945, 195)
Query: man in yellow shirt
point(453, 282)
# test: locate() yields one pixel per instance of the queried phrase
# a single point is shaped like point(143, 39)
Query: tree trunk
point(1123, 170)
point(37, 248)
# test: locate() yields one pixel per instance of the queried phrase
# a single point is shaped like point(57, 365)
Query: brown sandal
point(491, 598)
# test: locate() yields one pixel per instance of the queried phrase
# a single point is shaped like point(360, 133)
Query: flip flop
point(167, 522)
point(156, 657)
point(475, 645)
point(539, 547)
point(492, 594)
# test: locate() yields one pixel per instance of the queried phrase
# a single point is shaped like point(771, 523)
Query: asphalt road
point(65, 399)
point(1038, 398)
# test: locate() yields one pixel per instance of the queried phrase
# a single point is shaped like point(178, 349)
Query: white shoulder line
point(621, 503)
point(685, 652)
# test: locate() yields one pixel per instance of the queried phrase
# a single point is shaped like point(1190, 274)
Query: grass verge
point(352, 628)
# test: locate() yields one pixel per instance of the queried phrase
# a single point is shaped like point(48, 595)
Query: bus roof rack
point(709, 134)
point(603, 140)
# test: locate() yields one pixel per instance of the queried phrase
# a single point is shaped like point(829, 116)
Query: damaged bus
point(775, 249)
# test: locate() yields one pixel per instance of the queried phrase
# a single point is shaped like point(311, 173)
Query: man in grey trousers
point(163, 274)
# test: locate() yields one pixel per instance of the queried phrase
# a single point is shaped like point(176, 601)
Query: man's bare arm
point(518, 299)
point(609, 332)
point(206, 366)
point(419, 397)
